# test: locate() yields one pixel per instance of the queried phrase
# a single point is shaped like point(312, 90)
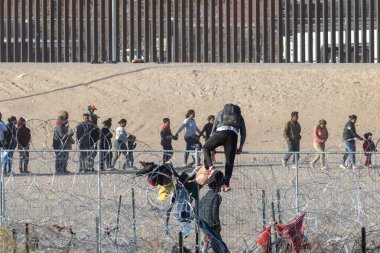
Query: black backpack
point(231, 115)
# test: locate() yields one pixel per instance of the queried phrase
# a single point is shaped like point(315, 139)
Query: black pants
point(24, 159)
point(227, 139)
point(168, 153)
point(61, 160)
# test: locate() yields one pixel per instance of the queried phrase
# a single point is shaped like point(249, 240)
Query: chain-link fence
point(115, 210)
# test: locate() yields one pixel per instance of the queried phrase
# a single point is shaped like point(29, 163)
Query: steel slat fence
point(190, 31)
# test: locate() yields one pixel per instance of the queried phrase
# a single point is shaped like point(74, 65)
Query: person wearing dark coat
point(292, 136)
point(368, 147)
point(349, 136)
point(62, 138)
point(83, 136)
point(105, 145)
point(23, 140)
point(10, 144)
point(94, 138)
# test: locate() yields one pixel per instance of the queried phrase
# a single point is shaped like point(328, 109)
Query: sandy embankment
point(146, 93)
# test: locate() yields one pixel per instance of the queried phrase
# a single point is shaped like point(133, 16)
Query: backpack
point(231, 115)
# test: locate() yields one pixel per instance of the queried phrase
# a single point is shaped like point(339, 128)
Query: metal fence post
point(296, 155)
point(134, 216)
point(114, 32)
point(364, 243)
point(196, 157)
point(99, 239)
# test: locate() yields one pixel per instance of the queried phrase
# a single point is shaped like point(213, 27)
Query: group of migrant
point(184, 189)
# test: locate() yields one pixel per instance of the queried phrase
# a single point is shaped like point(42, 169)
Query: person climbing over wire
point(228, 123)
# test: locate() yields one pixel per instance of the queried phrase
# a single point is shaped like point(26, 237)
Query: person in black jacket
point(62, 138)
point(349, 136)
point(105, 144)
point(207, 129)
point(10, 144)
point(209, 206)
point(83, 135)
point(23, 140)
point(94, 138)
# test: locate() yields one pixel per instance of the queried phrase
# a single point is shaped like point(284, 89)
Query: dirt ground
point(146, 93)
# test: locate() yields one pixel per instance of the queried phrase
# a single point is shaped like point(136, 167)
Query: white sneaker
point(354, 167)
point(323, 167)
point(294, 166)
point(343, 167)
point(284, 163)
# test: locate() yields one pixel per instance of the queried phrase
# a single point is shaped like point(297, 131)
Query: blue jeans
point(350, 147)
point(7, 160)
point(190, 145)
point(292, 147)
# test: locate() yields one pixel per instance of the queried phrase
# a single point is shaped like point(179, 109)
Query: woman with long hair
point(191, 130)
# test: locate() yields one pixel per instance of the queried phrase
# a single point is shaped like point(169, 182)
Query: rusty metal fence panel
point(191, 31)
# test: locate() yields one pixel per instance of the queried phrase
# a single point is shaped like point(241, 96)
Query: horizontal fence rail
point(333, 31)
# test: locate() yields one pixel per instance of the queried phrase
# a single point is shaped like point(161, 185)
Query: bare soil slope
point(146, 93)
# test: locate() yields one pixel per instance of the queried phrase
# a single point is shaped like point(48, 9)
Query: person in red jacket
point(368, 148)
point(23, 141)
point(320, 137)
point(166, 140)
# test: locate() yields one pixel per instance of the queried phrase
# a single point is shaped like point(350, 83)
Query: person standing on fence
point(166, 140)
point(191, 137)
point(320, 137)
point(62, 141)
point(83, 135)
point(349, 136)
point(120, 144)
point(3, 130)
point(23, 140)
point(10, 144)
point(228, 123)
point(368, 147)
point(105, 145)
point(292, 135)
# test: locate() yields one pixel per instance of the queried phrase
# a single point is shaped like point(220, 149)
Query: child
point(368, 147)
point(166, 140)
point(209, 207)
point(131, 144)
point(23, 140)
point(207, 129)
